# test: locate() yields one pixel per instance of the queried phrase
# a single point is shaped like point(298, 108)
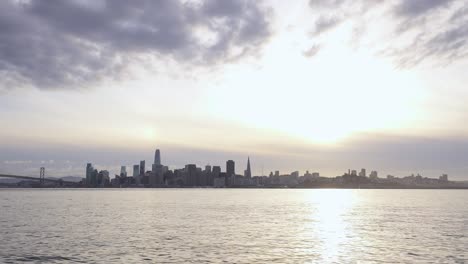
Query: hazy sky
point(297, 85)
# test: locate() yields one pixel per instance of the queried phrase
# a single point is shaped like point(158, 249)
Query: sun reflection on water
point(329, 209)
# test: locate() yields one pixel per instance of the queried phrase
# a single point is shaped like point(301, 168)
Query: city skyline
point(309, 85)
point(191, 175)
point(75, 168)
point(139, 170)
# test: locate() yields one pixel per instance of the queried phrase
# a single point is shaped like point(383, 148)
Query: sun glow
point(323, 99)
point(328, 219)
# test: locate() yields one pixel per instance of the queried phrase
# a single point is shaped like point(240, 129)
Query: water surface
point(233, 226)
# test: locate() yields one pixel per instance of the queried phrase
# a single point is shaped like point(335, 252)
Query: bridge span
point(36, 178)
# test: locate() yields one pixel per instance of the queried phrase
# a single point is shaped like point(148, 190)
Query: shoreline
point(245, 187)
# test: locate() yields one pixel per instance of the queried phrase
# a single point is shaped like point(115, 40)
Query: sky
point(296, 85)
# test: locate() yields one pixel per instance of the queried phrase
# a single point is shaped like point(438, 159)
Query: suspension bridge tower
point(42, 175)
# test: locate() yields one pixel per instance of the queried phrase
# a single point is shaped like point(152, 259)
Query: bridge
point(42, 179)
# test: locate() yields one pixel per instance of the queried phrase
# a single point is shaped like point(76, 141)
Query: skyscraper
point(157, 175)
point(136, 174)
point(190, 175)
point(142, 168)
point(94, 175)
point(216, 171)
point(157, 157)
point(89, 170)
point(230, 168)
point(136, 171)
point(208, 176)
point(248, 172)
point(123, 171)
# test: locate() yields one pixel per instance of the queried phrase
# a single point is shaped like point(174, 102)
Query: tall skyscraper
point(123, 171)
point(142, 168)
point(230, 168)
point(136, 171)
point(216, 171)
point(94, 175)
point(157, 175)
point(157, 157)
point(248, 172)
point(89, 170)
point(190, 175)
point(208, 176)
point(136, 174)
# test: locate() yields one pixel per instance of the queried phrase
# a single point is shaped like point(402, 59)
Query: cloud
point(312, 51)
point(325, 3)
point(437, 29)
point(445, 47)
point(423, 30)
point(330, 14)
point(424, 153)
point(418, 7)
point(323, 24)
point(59, 44)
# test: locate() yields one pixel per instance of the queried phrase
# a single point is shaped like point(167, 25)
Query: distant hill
point(66, 178)
point(72, 178)
point(9, 181)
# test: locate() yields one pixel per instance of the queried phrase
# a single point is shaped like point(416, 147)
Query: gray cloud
point(324, 24)
point(437, 28)
point(446, 47)
point(418, 7)
point(459, 15)
point(312, 51)
point(331, 14)
point(58, 44)
point(325, 3)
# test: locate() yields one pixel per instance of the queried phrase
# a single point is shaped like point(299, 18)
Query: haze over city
point(304, 85)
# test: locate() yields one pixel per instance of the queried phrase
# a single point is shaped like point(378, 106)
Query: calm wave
point(233, 226)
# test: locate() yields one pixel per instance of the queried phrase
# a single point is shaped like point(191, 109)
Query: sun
point(323, 99)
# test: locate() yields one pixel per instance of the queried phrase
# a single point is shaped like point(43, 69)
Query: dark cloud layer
point(389, 154)
point(57, 44)
point(418, 7)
